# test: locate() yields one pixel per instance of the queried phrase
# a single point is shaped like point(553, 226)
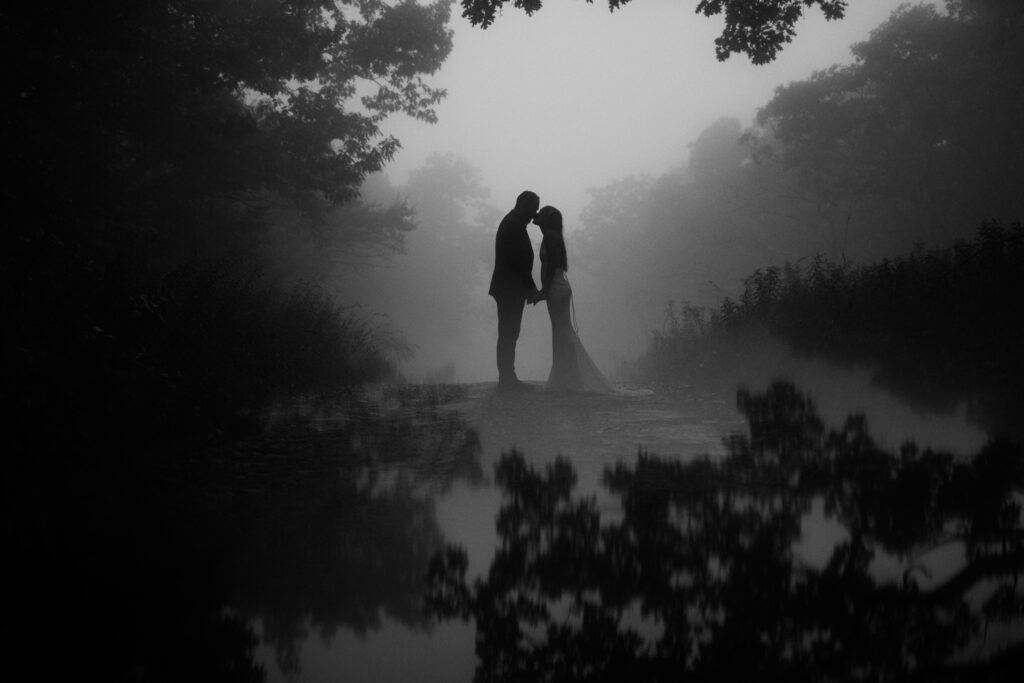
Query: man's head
point(527, 204)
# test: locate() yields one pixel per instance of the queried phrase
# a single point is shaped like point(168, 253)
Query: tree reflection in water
point(154, 568)
point(699, 574)
point(333, 529)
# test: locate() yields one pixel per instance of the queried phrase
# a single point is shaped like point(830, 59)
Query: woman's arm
point(547, 266)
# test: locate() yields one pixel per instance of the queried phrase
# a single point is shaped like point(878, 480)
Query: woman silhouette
point(571, 368)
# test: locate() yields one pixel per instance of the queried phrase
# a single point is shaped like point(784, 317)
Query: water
point(425, 481)
point(592, 430)
point(800, 543)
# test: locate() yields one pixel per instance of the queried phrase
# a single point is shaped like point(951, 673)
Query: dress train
point(572, 368)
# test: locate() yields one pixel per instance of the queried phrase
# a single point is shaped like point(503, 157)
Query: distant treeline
point(939, 326)
point(916, 140)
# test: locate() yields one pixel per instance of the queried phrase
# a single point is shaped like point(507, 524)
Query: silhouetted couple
point(512, 286)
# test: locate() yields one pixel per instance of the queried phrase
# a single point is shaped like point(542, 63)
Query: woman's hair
point(550, 218)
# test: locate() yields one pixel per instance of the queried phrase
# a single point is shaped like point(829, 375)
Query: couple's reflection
point(700, 573)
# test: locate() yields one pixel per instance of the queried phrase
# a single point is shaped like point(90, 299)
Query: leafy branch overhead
point(756, 28)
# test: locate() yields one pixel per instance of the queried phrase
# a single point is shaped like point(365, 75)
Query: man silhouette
point(512, 284)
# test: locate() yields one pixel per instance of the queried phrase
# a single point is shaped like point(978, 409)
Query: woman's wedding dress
point(572, 369)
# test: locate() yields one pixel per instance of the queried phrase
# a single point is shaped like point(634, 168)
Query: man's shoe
point(514, 385)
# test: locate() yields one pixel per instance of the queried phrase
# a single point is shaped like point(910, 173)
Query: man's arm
point(516, 253)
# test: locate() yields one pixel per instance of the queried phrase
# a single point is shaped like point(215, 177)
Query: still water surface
point(721, 537)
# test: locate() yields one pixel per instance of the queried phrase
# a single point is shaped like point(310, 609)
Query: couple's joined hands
point(537, 297)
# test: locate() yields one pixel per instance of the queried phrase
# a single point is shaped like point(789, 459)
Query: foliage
point(322, 238)
point(917, 141)
point(698, 573)
point(432, 289)
point(209, 351)
point(928, 117)
point(695, 329)
point(610, 213)
point(455, 236)
point(184, 100)
point(144, 134)
point(237, 345)
point(756, 28)
point(682, 235)
point(145, 139)
point(152, 148)
point(934, 324)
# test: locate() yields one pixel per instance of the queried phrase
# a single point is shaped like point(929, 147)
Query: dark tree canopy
point(145, 137)
point(909, 122)
point(150, 116)
point(756, 28)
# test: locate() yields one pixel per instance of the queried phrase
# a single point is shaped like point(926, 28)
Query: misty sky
point(576, 96)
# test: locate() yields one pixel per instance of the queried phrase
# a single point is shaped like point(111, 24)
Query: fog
point(257, 429)
point(577, 96)
point(569, 100)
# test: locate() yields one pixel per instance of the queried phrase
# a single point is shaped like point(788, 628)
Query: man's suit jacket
point(513, 259)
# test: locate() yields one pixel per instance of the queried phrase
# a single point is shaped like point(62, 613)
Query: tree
point(147, 118)
point(147, 145)
point(141, 136)
point(613, 216)
point(690, 232)
point(910, 125)
point(431, 291)
point(448, 261)
point(756, 28)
